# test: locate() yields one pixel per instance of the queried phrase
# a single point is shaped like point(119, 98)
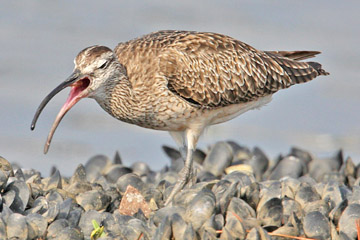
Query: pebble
point(239, 194)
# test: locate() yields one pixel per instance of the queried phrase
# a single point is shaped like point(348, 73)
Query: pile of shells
point(239, 194)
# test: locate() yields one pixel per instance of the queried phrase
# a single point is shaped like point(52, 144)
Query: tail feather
point(298, 71)
point(295, 55)
point(317, 66)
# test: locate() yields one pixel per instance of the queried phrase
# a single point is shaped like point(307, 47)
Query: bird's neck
point(118, 99)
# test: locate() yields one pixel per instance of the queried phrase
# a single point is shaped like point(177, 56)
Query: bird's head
point(94, 67)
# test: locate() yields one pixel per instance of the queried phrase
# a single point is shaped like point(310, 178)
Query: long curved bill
point(71, 101)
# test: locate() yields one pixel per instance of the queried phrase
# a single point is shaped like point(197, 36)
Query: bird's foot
point(187, 177)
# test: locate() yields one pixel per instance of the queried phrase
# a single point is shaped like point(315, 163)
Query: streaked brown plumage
point(182, 82)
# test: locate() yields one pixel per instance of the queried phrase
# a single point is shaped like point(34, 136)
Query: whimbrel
point(181, 82)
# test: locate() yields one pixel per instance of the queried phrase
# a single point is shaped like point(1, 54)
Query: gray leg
point(186, 174)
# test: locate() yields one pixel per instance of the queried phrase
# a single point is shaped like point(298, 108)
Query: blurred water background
point(39, 39)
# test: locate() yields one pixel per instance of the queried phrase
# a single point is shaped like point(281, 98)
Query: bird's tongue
point(70, 102)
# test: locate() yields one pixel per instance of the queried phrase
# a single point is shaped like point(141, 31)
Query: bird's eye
point(103, 65)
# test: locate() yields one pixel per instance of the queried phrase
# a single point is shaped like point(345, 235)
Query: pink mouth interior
point(76, 89)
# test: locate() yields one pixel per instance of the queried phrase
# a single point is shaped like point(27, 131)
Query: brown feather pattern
point(212, 70)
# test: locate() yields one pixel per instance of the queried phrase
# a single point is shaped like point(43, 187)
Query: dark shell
point(288, 167)
point(348, 219)
point(219, 158)
point(93, 200)
point(130, 179)
point(22, 195)
point(200, 208)
point(37, 225)
point(16, 227)
point(316, 225)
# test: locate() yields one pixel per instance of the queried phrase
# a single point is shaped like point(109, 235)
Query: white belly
point(223, 114)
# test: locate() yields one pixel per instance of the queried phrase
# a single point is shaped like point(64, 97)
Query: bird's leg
point(186, 174)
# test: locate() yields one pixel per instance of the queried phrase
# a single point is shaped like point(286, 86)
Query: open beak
point(79, 84)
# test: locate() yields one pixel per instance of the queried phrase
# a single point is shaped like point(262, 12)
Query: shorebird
point(181, 82)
